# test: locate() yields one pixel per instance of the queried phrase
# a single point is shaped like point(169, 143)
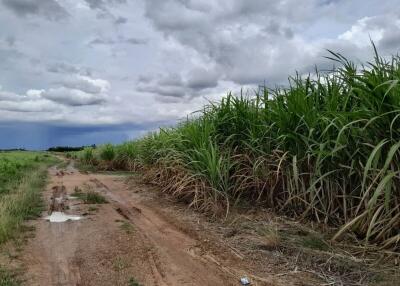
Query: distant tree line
point(68, 148)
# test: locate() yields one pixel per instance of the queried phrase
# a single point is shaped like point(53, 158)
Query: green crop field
point(22, 178)
point(325, 148)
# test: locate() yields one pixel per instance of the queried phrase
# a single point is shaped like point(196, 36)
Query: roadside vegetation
point(22, 179)
point(325, 148)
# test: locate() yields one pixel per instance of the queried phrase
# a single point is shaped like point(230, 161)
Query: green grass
point(8, 278)
point(132, 282)
point(127, 227)
point(324, 148)
point(22, 179)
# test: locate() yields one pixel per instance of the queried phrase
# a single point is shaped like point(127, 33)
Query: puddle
point(61, 217)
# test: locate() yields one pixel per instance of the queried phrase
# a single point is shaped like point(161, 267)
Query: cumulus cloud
point(86, 84)
point(77, 91)
point(50, 9)
point(175, 85)
point(382, 29)
point(29, 106)
point(73, 97)
point(29, 102)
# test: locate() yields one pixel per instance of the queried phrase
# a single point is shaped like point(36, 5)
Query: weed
point(7, 278)
point(314, 241)
point(133, 282)
point(119, 264)
point(89, 197)
point(270, 236)
point(127, 227)
point(93, 208)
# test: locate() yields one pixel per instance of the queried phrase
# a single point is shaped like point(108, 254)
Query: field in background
point(324, 149)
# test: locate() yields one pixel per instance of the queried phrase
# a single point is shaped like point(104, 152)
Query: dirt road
point(122, 242)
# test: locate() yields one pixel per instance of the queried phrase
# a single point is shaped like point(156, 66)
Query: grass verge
point(23, 179)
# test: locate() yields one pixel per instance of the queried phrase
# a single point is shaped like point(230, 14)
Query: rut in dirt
point(94, 250)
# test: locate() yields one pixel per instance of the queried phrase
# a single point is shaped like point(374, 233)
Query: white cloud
point(86, 84)
point(364, 30)
point(56, 103)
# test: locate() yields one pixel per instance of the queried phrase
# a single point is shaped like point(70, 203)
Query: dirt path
point(122, 242)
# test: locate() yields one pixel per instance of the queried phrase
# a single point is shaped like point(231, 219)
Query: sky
point(81, 72)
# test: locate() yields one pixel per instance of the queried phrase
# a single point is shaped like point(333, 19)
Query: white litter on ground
point(245, 281)
point(61, 217)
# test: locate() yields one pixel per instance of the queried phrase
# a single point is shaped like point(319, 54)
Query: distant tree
point(65, 149)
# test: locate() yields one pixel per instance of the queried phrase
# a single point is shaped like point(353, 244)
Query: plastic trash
point(245, 281)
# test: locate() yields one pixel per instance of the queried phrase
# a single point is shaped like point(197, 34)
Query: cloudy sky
point(78, 72)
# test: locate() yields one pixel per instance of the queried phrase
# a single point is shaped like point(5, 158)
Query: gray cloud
point(75, 91)
point(240, 38)
point(86, 84)
point(29, 106)
point(274, 28)
point(50, 9)
point(121, 20)
point(65, 68)
point(119, 40)
point(10, 41)
point(29, 102)
point(102, 4)
point(135, 41)
point(199, 79)
point(73, 97)
point(170, 91)
point(175, 86)
point(252, 42)
point(99, 41)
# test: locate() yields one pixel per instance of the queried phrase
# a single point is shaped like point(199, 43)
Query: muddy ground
point(140, 237)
